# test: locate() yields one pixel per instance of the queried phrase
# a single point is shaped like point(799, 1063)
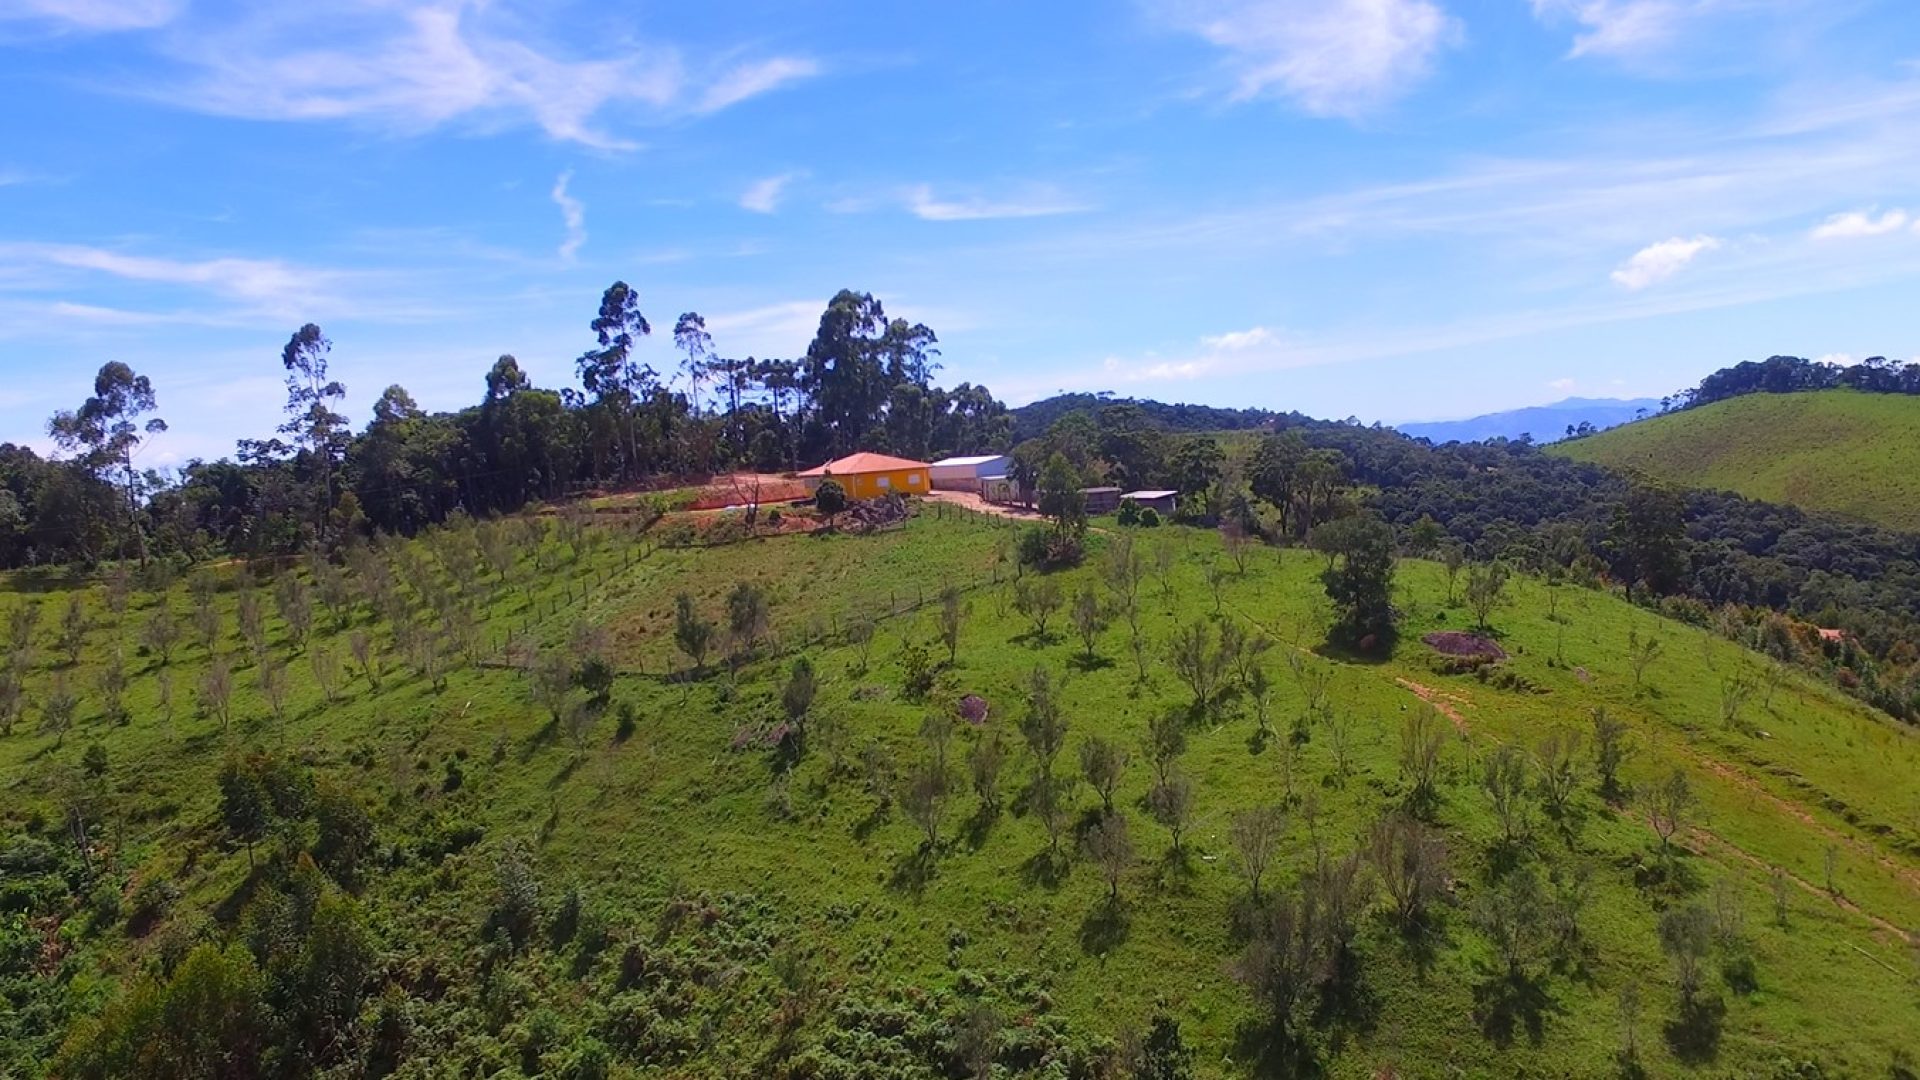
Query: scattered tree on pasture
point(206, 624)
point(830, 499)
point(272, 676)
point(1410, 859)
point(796, 696)
point(1512, 914)
point(1559, 770)
point(1611, 748)
point(551, 684)
point(72, 638)
point(253, 622)
point(692, 632)
point(984, 762)
point(859, 634)
point(1504, 777)
point(360, 644)
point(1360, 586)
point(1171, 802)
point(951, 617)
point(1198, 661)
point(1735, 691)
point(1423, 735)
point(1090, 618)
point(1642, 651)
point(1102, 763)
point(160, 634)
point(1037, 599)
point(111, 681)
point(1043, 725)
point(1686, 934)
point(1668, 804)
point(295, 602)
point(1486, 590)
point(326, 671)
point(57, 706)
point(1107, 842)
point(1255, 834)
point(748, 617)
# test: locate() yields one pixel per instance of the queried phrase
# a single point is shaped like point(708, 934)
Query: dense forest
point(864, 382)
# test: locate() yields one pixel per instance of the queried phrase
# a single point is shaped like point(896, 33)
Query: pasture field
point(1840, 451)
point(713, 905)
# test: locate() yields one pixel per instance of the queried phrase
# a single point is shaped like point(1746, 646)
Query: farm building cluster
point(869, 476)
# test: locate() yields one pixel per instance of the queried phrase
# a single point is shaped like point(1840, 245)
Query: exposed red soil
point(740, 489)
point(1443, 703)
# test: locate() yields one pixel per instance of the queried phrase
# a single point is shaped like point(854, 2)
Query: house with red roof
point(869, 476)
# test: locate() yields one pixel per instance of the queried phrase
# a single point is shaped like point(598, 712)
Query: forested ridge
point(865, 382)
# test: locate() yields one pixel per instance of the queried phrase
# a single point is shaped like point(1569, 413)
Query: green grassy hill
point(1834, 450)
point(698, 909)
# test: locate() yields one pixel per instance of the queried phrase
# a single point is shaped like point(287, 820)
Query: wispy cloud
point(1658, 262)
point(415, 68)
point(753, 79)
point(1859, 223)
point(1618, 27)
point(1329, 57)
point(93, 16)
point(763, 196)
point(1234, 341)
point(574, 213)
point(1043, 202)
point(1564, 385)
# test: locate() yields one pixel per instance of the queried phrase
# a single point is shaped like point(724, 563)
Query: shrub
point(1149, 518)
point(1129, 513)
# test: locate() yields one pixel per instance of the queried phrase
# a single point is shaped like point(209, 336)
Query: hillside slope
point(1545, 423)
point(1834, 450)
point(735, 911)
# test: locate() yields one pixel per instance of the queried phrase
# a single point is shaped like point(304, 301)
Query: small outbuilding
point(1101, 500)
point(1001, 490)
point(966, 473)
point(1160, 502)
point(869, 476)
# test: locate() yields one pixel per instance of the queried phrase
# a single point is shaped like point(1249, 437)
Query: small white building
point(965, 473)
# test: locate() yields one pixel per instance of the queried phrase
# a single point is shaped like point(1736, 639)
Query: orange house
point(869, 476)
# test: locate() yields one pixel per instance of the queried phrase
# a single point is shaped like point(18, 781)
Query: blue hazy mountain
point(1545, 423)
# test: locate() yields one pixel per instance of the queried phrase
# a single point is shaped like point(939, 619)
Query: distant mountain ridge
point(1546, 423)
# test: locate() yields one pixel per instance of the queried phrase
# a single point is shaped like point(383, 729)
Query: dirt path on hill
point(1443, 703)
point(1706, 842)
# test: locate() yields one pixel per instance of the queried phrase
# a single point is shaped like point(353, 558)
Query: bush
point(1149, 518)
point(1033, 546)
point(1129, 513)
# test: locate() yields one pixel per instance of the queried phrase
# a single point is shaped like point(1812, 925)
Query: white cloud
point(416, 68)
point(1236, 340)
point(93, 16)
point(1151, 370)
point(269, 283)
point(754, 79)
point(1329, 57)
point(1836, 359)
point(1619, 28)
point(1658, 262)
point(763, 196)
point(574, 213)
point(1563, 385)
point(1859, 223)
point(1039, 203)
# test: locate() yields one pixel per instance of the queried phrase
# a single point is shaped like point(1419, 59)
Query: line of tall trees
point(1793, 374)
point(865, 382)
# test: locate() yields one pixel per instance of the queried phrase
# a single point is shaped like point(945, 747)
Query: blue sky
point(1393, 209)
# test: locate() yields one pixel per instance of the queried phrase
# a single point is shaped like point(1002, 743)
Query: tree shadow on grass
point(979, 827)
point(876, 817)
point(1105, 928)
point(1694, 1033)
point(1083, 662)
point(1505, 1003)
point(1347, 1003)
point(566, 771)
point(1273, 1050)
point(913, 870)
point(1174, 871)
point(1047, 868)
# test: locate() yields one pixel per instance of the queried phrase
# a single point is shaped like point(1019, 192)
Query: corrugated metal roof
point(973, 459)
point(864, 462)
point(1148, 494)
